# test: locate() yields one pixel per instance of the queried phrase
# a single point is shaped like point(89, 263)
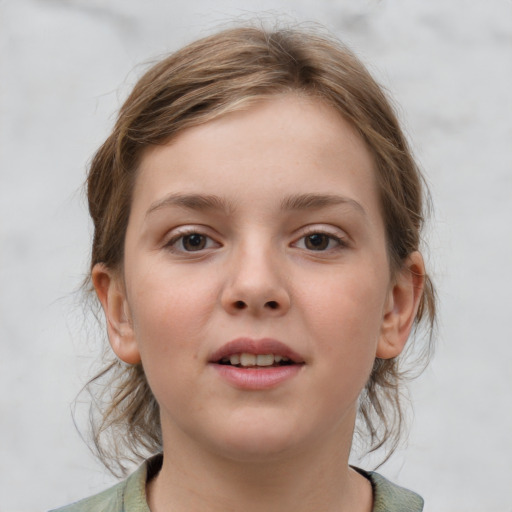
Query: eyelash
point(182, 235)
point(171, 245)
point(341, 243)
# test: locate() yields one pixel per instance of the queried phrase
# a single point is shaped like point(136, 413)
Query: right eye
point(191, 242)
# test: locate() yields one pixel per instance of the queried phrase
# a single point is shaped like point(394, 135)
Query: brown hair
point(204, 80)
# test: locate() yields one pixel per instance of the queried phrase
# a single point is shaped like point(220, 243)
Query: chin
point(255, 450)
point(255, 441)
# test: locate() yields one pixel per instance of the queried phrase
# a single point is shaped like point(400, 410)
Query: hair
point(215, 75)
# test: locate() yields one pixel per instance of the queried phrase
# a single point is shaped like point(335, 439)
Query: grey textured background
point(65, 66)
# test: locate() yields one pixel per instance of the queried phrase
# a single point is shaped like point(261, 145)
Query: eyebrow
point(199, 202)
point(318, 201)
point(202, 202)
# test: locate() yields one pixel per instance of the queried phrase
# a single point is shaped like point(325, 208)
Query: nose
point(256, 284)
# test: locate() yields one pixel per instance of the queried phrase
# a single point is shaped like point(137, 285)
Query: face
point(256, 287)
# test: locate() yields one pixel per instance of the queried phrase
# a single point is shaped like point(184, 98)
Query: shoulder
point(127, 495)
point(110, 500)
point(389, 497)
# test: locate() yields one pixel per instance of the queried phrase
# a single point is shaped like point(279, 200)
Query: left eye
point(319, 242)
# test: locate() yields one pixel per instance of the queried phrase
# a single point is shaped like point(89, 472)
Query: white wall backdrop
point(65, 67)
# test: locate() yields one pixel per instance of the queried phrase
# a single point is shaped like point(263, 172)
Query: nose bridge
point(256, 278)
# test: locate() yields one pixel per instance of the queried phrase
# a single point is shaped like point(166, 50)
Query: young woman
point(257, 218)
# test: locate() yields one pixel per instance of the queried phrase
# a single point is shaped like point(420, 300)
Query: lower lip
point(257, 378)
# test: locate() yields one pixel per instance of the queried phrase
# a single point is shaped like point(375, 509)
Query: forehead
point(283, 145)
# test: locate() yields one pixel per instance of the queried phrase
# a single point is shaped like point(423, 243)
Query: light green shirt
point(130, 495)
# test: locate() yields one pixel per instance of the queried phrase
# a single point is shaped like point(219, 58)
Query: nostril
point(272, 304)
point(239, 304)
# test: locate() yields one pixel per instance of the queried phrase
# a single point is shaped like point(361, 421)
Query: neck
point(315, 478)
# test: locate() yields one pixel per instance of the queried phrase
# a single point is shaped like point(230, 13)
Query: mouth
point(256, 365)
point(247, 360)
point(250, 353)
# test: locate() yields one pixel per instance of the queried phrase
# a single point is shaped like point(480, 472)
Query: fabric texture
point(130, 495)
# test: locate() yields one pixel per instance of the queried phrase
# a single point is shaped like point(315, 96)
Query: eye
point(319, 241)
point(194, 242)
point(191, 242)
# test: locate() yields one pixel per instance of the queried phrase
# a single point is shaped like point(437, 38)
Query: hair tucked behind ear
point(124, 416)
point(222, 73)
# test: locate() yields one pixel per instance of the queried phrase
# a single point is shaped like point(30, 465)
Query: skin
point(258, 274)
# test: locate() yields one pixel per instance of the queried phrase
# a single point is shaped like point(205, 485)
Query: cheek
point(170, 311)
point(343, 314)
point(170, 316)
point(345, 299)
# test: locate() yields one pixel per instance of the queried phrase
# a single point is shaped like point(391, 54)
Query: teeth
point(264, 360)
point(234, 359)
point(247, 359)
point(255, 360)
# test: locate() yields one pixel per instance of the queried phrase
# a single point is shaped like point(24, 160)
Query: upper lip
point(255, 346)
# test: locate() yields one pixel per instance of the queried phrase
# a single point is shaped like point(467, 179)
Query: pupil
point(194, 242)
point(317, 241)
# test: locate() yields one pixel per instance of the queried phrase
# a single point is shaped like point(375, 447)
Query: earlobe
point(111, 293)
point(401, 307)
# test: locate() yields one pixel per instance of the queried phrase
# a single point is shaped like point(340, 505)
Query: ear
point(111, 293)
point(401, 307)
